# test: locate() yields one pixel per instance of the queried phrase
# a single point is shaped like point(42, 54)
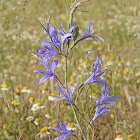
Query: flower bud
point(75, 33)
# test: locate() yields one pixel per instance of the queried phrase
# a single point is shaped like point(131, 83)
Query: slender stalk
point(93, 133)
point(89, 125)
point(57, 80)
point(76, 137)
point(66, 69)
point(70, 19)
point(78, 123)
point(58, 111)
point(92, 108)
point(78, 93)
point(74, 45)
point(91, 120)
point(63, 50)
point(70, 23)
point(52, 86)
point(80, 114)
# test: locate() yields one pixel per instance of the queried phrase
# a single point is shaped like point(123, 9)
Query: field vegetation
point(116, 21)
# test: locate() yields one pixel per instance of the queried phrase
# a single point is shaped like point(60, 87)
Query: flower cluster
point(53, 47)
point(59, 44)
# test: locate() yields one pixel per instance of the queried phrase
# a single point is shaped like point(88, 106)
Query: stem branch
point(81, 114)
point(78, 123)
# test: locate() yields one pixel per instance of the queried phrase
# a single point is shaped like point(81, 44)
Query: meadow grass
point(20, 35)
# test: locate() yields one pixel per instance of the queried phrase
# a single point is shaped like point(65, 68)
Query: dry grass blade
point(125, 88)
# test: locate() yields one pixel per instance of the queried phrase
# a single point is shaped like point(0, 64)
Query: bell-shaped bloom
point(66, 94)
point(88, 34)
point(104, 99)
point(48, 52)
point(97, 72)
point(54, 37)
point(101, 110)
point(65, 36)
point(50, 71)
point(64, 132)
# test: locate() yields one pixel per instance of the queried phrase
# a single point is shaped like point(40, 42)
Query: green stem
point(80, 114)
point(91, 120)
point(78, 122)
point(57, 80)
point(66, 70)
point(52, 86)
point(79, 93)
point(58, 111)
point(92, 108)
point(70, 19)
point(93, 133)
point(89, 125)
point(74, 44)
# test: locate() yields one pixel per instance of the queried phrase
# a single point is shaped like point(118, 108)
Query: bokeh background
point(20, 35)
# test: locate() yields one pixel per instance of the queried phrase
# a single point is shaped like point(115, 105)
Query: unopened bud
point(75, 33)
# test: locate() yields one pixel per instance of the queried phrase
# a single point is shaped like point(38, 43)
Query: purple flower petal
point(60, 138)
point(65, 37)
point(67, 96)
point(65, 133)
point(62, 125)
point(59, 99)
point(41, 51)
point(104, 99)
point(111, 98)
point(50, 73)
point(96, 74)
point(54, 65)
point(72, 27)
point(40, 72)
point(47, 42)
point(100, 113)
point(73, 87)
point(59, 88)
point(57, 129)
point(43, 79)
point(88, 34)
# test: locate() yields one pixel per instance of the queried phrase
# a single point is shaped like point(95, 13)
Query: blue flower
point(101, 110)
point(48, 52)
point(54, 37)
point(98, 71)
point(88, 34)
point(100, 103)
point(104, 99)
point(64, 132)
point(66, 94)
point(50, 71)
point(65, 36)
